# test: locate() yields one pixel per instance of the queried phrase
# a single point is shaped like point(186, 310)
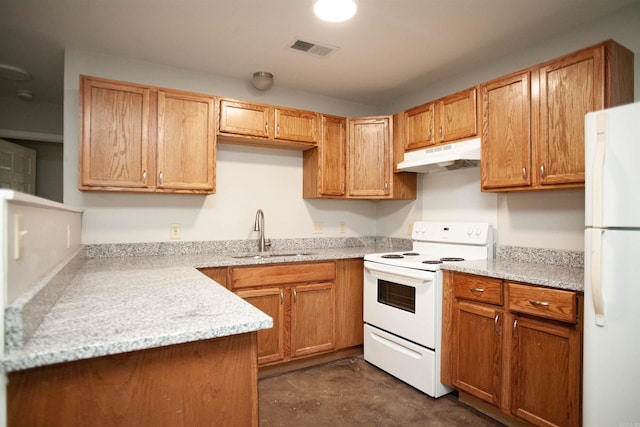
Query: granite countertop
point(112, 305)
point(551, 268)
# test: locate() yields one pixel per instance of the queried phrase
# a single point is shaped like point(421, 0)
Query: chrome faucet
point(259, 226)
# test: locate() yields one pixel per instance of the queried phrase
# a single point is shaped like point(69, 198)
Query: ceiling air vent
point(312, 47)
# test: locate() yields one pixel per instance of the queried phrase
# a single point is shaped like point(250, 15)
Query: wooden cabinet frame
point(266, 125)
point(522, 359)
point(139, 138)
point(533, 120)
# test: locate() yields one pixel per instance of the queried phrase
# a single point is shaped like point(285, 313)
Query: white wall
point(542, 219)
point(248, 178)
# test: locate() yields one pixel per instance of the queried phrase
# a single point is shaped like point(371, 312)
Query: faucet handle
point(267, 242)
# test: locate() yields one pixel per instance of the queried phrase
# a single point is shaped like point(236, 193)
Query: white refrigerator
point(611, 358)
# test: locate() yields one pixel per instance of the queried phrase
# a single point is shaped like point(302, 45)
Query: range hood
point(458, 155)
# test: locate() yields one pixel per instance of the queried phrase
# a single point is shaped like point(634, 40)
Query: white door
point(17, 167)
point(611, 361)
point(612, 172)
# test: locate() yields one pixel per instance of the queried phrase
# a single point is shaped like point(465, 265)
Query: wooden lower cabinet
point(519, 350)
point(202, 383)
point(478, 359)
point(316, 307)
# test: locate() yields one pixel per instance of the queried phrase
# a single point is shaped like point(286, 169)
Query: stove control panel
point(469, 233)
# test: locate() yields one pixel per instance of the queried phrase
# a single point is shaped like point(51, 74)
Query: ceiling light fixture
point(24, 94)
point(10, 72)
point(335, 10)
point(262, 80)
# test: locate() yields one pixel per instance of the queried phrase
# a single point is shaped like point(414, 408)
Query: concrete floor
point(352, 392)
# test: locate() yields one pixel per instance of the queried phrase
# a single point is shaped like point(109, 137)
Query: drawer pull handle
point(515, 325)
point(281, 297)
point(495, 323)
point(476, 290)
point(538, 303)
point(295, 296)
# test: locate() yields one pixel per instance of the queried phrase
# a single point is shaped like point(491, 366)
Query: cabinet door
point(333, 166)
point(271, 342)
point(506, 132)
point(546, 372)
point(115, 135)
point(186, 142)
point(369, 156)
point(243, 118)
point(312, 319)
point(296, 125)
point(457, 116)
point(569, 88)
point(419, 125)
point(477, 350)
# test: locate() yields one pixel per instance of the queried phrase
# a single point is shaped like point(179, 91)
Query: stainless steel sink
point(259, 255)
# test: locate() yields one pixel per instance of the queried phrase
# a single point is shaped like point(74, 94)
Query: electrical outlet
point(174, 233)
point(68, 236)
point(18, 236)
point(317, 227)
point(343, 227)
point(409, 229)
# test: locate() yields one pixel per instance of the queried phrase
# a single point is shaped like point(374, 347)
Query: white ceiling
point(388, 49)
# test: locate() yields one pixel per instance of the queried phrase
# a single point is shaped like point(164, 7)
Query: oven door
point(402, 301)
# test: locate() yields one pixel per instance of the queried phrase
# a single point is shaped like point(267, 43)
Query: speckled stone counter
point(119, 304)
point(552, 268)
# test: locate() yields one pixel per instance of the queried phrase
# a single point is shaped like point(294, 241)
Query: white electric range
point(403, 300)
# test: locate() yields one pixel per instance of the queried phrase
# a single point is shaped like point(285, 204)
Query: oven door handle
point(393, 273)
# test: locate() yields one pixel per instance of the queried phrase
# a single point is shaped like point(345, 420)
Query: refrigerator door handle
point(598, 170)
point(596, 276)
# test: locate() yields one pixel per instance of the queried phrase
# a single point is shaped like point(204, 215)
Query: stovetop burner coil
point(410, 254)
point(392, 256)
point(451, 259)
point(432, 261)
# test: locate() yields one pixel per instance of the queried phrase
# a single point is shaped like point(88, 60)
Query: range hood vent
point(458, 155)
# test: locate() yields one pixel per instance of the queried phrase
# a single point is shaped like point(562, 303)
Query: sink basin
point(259, 255)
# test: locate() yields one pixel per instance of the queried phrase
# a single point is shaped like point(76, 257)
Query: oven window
point(398, 296)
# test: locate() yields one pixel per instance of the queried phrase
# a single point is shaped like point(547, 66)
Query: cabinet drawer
point(281, 274)
point(549, 303)
point(478, 288)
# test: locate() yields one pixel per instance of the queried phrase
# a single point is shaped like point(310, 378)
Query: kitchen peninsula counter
point(119, 304)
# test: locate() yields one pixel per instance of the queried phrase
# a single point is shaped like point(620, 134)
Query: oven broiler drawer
point(483, 289)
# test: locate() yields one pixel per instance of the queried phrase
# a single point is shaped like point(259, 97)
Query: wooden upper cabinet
point(506, 134)
point(296, 125)
point(561, 92)
point(325, 168)
point(457, 116)
point(115, 135)
point(419, 126)
point(186, 141)
point(369, 156)
point(267, 125)
point(145, 139)
point(445, 120)
point(243, 118)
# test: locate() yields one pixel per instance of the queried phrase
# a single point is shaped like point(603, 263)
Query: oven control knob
point(478, 231)
point(469, 231)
